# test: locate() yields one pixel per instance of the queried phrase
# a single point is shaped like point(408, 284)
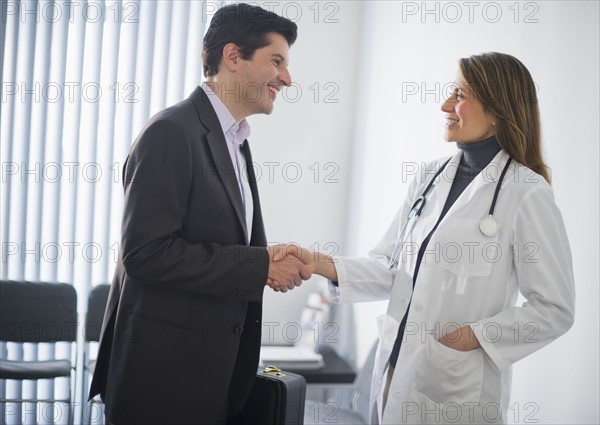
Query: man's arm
point(159, 175)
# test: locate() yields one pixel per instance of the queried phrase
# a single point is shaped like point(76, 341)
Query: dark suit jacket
point(181, 334)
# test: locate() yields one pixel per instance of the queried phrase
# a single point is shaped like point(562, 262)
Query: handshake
point(291, 264)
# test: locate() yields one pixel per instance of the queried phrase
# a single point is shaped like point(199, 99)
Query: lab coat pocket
point(461, 249)
point(445, 375)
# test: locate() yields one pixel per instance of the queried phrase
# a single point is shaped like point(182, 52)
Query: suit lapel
point(220, 153)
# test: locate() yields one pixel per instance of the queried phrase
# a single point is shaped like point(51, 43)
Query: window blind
point(79, 81)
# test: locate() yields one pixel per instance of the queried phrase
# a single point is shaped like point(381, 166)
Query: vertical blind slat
point(162, 41)
point(4, 17)
point(144, 71)
point(70, 145)
point(177, 57)
point(53, 154)
point(7, 120)
point(20, 140)
point(104, 152)
point(193, 55)
point(36, 159)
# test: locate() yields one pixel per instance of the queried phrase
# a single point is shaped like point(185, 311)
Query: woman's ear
point(491, 117)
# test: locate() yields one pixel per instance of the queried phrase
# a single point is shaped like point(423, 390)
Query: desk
point(336, 371)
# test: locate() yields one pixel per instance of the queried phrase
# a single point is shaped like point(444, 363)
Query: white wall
point(307, 128)
point(311, 130)
point(420, 50)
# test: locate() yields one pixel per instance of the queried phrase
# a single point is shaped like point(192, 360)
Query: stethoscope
point(488, 225)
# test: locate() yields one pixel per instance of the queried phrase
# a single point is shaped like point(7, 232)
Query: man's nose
point(285, 77)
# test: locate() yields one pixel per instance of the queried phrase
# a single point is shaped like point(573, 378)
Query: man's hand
point(287, 271)
point(283, 251)
point(314, 262)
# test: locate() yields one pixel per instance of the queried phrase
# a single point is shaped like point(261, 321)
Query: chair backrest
point(37, 312)
point(95, 311)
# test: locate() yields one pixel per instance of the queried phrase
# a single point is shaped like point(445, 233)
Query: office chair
point(93, 325)
point(319, 412)
point(38, 313)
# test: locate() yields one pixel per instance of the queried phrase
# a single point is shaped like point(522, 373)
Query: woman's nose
point(448, 105)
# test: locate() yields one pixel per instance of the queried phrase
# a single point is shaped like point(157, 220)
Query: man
point(181, 334)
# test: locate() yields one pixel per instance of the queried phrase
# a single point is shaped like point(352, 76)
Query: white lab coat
point(466, 278)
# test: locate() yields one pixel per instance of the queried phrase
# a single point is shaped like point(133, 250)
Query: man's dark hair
point(247, 27)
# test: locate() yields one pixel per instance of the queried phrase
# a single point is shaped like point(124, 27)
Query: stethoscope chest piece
point(488, 226)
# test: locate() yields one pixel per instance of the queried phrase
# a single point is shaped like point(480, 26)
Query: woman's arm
point(545, 280)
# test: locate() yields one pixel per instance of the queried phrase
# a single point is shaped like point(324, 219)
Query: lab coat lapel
point(437, 196)
point(489, 175)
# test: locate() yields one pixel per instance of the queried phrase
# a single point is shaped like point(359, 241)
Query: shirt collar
point(238, 132)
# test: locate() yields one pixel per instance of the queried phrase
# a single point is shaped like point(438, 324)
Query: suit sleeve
point(544, 271)
point(158, 180)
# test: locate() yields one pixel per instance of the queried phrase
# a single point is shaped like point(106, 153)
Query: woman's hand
point(314, 261)
point(462, 339)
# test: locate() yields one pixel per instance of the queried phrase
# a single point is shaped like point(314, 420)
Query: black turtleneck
point(476, 156)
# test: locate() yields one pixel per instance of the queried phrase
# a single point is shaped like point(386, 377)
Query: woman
point(452, 330)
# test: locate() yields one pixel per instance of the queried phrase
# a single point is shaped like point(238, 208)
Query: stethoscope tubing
point(498, 185)
point(411, 218)
point(419, 204)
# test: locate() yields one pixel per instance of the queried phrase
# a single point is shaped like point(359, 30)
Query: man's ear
point(231, 57)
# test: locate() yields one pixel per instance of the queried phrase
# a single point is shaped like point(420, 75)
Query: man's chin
point(269, 110)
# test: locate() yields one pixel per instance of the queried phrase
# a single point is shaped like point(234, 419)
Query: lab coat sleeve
point(370, 279)
point(544, 272)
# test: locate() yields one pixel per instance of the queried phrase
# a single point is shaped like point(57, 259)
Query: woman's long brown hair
point(505, 87)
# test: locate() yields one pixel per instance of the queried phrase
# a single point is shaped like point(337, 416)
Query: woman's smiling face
point(466, 119)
